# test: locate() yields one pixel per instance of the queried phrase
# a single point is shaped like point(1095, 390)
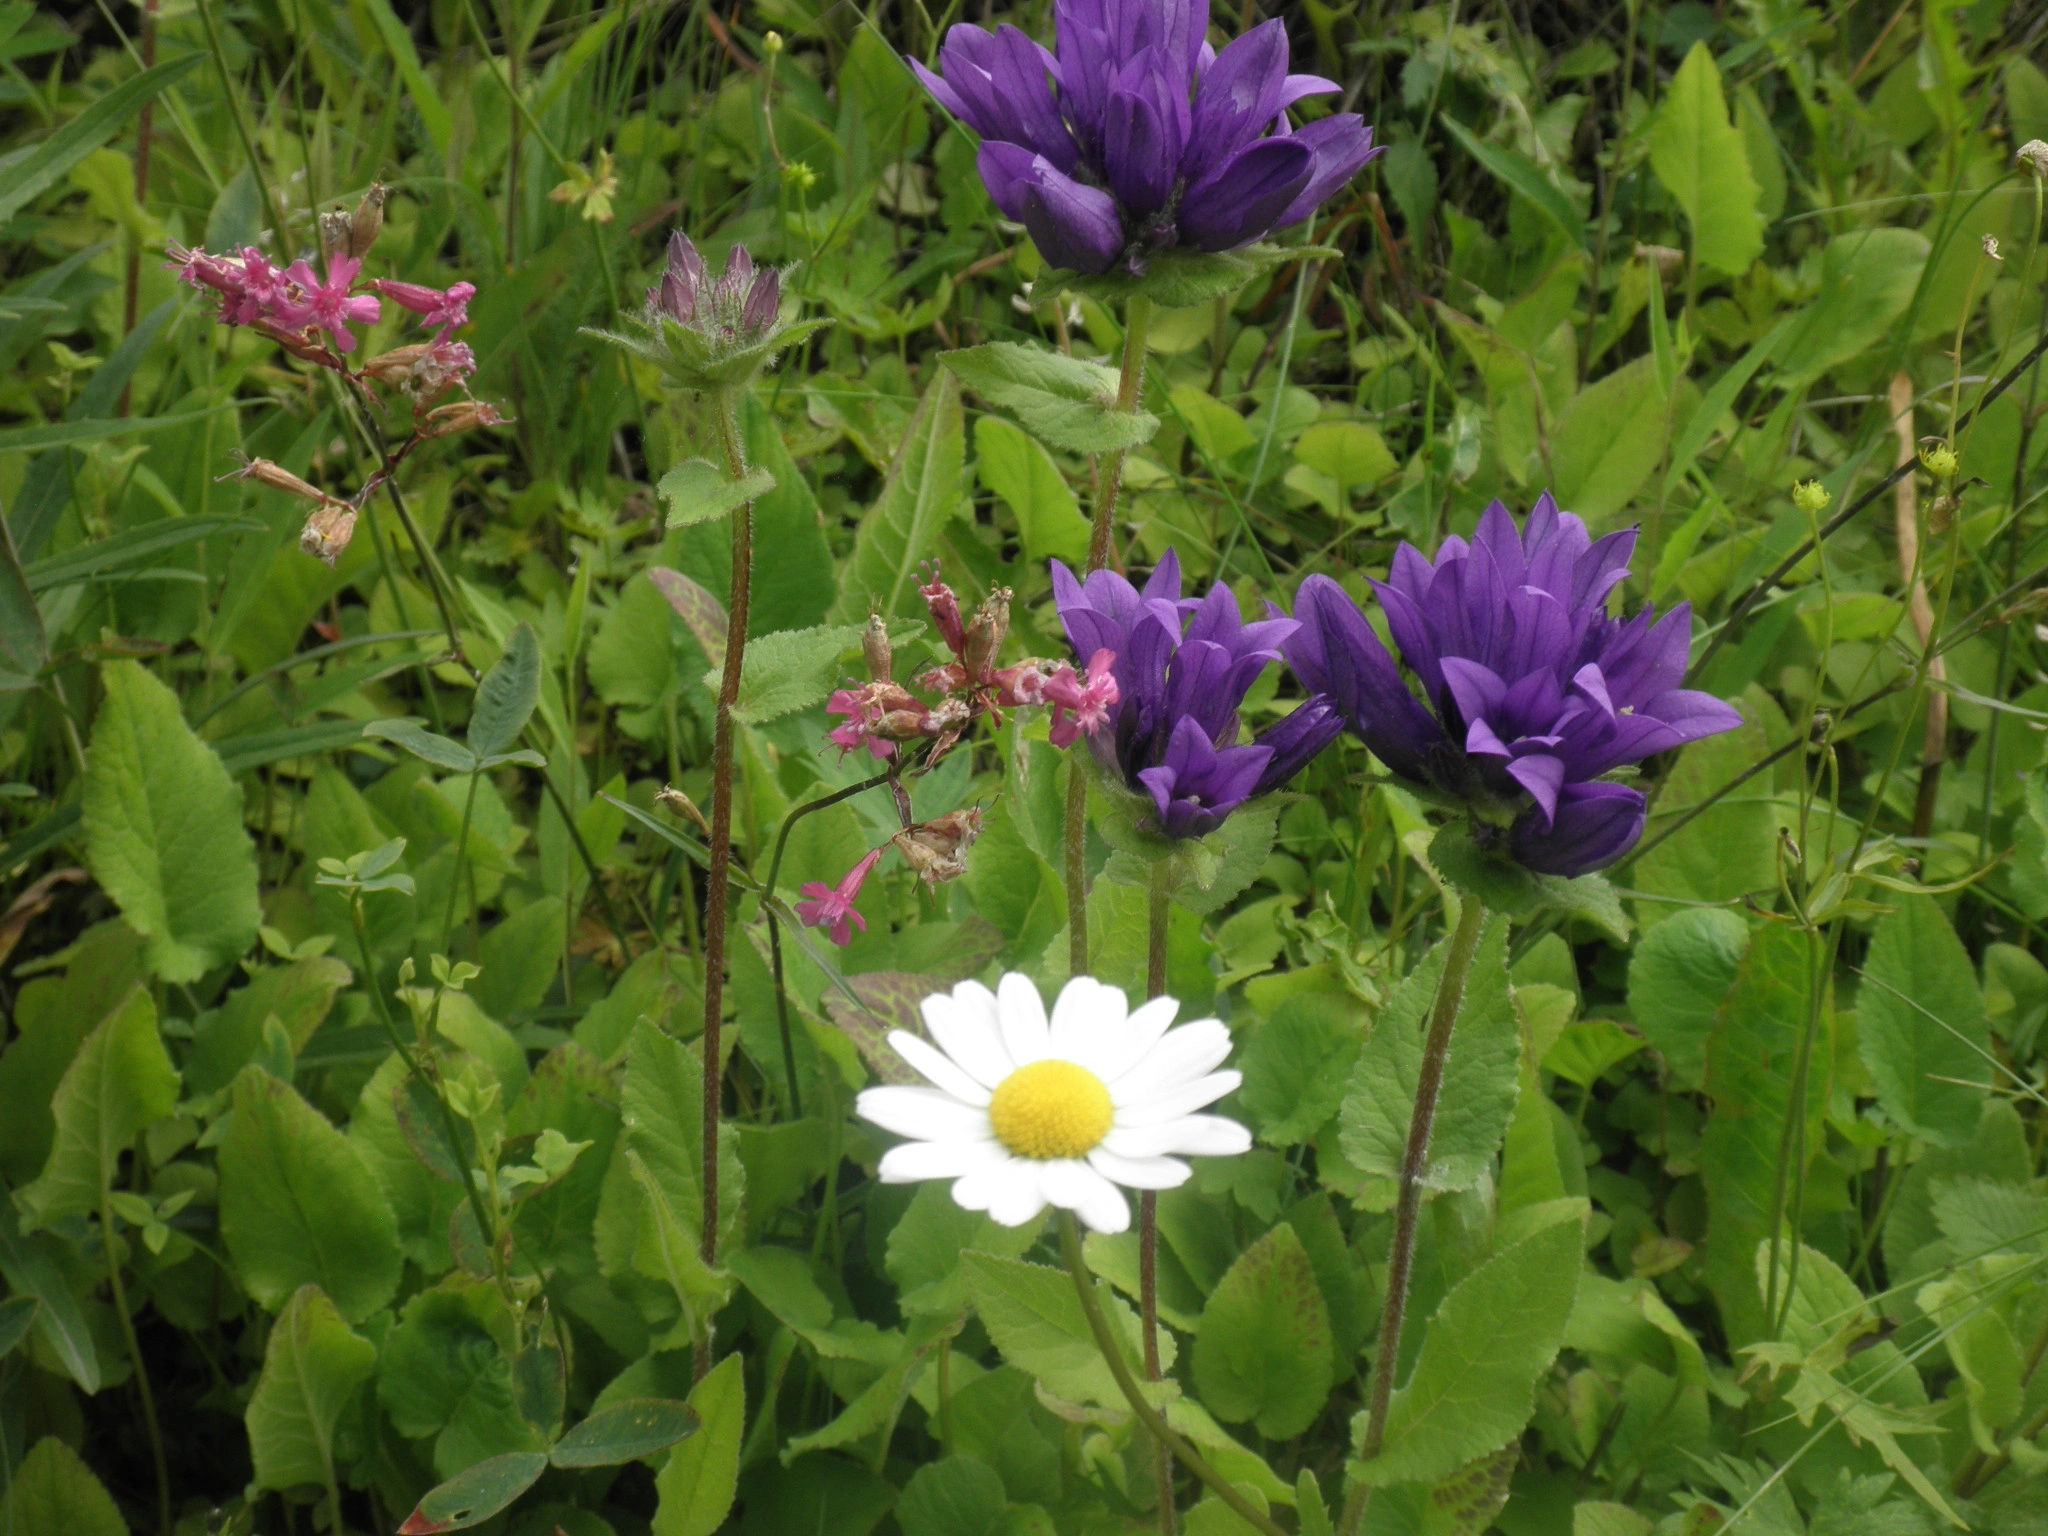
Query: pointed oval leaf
point(474, 1496)
point(506, 698)
point(697, 491)
point(423, 744)
point(626, 1432)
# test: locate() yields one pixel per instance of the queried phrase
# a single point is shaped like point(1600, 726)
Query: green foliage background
point(1738, 1213)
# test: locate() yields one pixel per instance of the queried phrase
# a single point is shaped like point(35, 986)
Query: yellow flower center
point(1051, 1109)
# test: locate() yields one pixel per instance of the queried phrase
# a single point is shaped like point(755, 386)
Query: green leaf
point(471, 1497)
point(698, 491)
point(134, 548)
point(1677, 977)
point(959, 1496)
point(120, 1082)
point(789, 670)
point(435, 117)
point(920, 495)
point(1727, 850)
point(1921, 1026)
point(1867, 280)
point(1610, 440)
point(703, 615)
point(1482, 1355)
point(1036, 1320)
point(1179, 279)
point(24, 646)
point(163, 830)
point(53, 1491)
point(312, 1367)
point(508, 695)
point(925, 1245)
point(1699, 156)
point(1349, 452)
point(1298, 1065)
point(1521, 174)
point(298, 1206)
point(627, 1431)
point(1062, 401)
point(662, 1109)
point(1015, 467)
point(1262, 1352)
point(17, 1315)
point(441, 751)
point(698, 1482)
point(32, 1272)
point(446, 1373)
point(1481, 1075)
point(30, 173)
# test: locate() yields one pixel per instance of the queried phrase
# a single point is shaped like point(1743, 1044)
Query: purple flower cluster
point(1137, 136)
point(1182, 669)
point(1530, 691)
point(744, 303)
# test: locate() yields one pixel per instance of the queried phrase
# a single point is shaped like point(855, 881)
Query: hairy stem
point(1112, 1355)
point(1436, 1049)
point(1148, 1200)
point(717, 897)
point(1130, 383)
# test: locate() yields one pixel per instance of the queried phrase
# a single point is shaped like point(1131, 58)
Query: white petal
point(1184, 1055)
point(1076, 1187)
point(942, 1071)
point(968, 1034)
point(1085, 1012)
point(925, 1113)
point(1138, 1172)
point(1189, 1136)
point(1171, 1103)
point(1120, 1049)
point(1026, 1035)
point(911, 1161)
point(1016, 1196)
point(974, 1191)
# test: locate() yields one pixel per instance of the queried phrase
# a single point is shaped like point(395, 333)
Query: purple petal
point(944, 94)
point(1543, 777)
point(1342, 145)
point(1239, 98)
point(1300, 87)
point(1006, 170)
point(1138, 153)
point(1335, 652)
point(1073, 226)
point(1296, 741)
point(1245, 198)
point(1595, 824)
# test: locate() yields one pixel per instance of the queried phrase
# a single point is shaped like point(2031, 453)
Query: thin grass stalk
point(1157, 911)
point(1130, 385)
point(1436, 1049)
point(149, 1418)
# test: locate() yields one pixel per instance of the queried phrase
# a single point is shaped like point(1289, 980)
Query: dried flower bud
point(986, 634)
point(1668, 261)
point(669, 798)
point(278, 478)
point(945, 610)
point(1812, 498)
point(874, 644)
point(368, 222)
point(1940, 461)
point(947, 717)
point(1941, 515)
point(937, 850)
point(328, 531)
point(461, 416)
point(1991, 248)
point(335, 228)
point(2034, 155)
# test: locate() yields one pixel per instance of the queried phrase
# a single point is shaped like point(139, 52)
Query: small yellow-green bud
point(772, 43)
point(1940, 461)
point(1811, 497)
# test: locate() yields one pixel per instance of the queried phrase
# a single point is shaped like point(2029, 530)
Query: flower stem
point(726, 404)
point(1119, 1368)
point(1148, 1200)
point(149, 1419)
point(1436, 1049)
point(1130, 383)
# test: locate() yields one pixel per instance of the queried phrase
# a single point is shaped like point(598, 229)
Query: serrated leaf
point(508, 695)
point(1482, 1355)
point(120, 1082)
point(298, 1206)
point(313, 1365)
point(1262, 1351)
point(697, 491)
point(662, 1103)
point(698, 1482)
point(163, 830)
point(53, 1490)
point(1921, 1025)
point(1062, 401)
point(788, 670)
point(1036, 1320)
point(1677, 977)
point(1298, 1065)
point(959, 1496)
point(1699, 156)
point(1481, 1074)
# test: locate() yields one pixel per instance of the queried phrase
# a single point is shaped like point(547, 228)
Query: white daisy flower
point(1026, 1112)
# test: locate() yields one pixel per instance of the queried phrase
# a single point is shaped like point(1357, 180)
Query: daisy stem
point(725, 403)
point(1436, 1048)
point(1148, 1200)
point(1130, 384)
point(1112, 1355)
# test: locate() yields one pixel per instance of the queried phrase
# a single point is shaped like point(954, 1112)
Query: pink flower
point(1089, 702)
point(832, 906)
point(945, 608)
point(329, 306)
point(860, 722)
point(446, 309)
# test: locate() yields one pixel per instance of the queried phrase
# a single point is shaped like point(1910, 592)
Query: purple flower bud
point(764, 302)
